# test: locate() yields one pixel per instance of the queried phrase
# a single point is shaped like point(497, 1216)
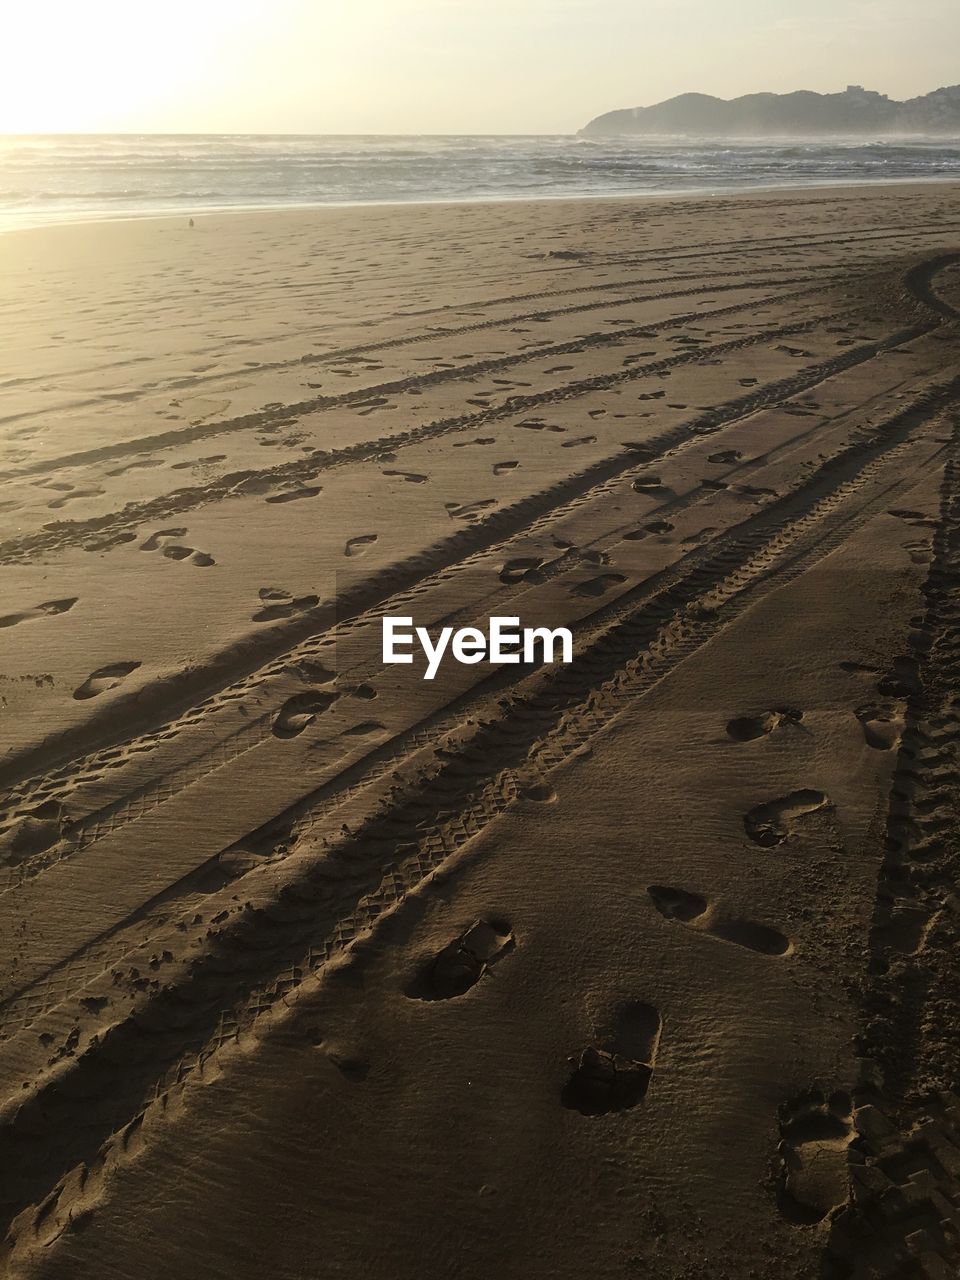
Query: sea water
point(70, 178)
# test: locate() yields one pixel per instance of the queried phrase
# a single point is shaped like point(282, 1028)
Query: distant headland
point(855, 111)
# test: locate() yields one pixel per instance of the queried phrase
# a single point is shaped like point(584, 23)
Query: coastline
point(97, 218)
point(231, 215)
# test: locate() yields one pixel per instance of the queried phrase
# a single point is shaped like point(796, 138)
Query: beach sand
point(642, 966)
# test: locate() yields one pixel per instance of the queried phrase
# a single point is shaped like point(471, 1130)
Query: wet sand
point(639, 966)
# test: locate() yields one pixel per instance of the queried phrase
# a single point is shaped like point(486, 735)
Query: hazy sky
point(440, 66)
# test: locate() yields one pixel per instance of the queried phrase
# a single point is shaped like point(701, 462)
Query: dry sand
point(639, 967)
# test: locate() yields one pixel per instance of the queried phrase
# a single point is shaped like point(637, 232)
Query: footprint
point(538, 424)
point(655, 526)
point(300, 711)
point(50, 609)
point(882, 726)
point(312, 672)
point(532, 788)
point(283, 606)
point(350, 1067)
point(468, 510)
point(523, 568)
point(411, 477)
point(365, 692)
point(762, 938)
point(103, 679)
point(38, 830)
point(573, 444)
point(726, 456)
point(72, 497)
point(920, 552)
point(814, 1177)
point(615, 1074)
point(501, 468)
point(159, 541)
point(357, 546)
point(677, 904)
point(771, 823)
point(463, 962)
point(693, 909)
point(698, 539)
point(915, 518)
point(903, 681)
point(647, 484)
point(746, 728)
point(136, 466)
point(598, 586)
point(641, 451)
point(294, 495)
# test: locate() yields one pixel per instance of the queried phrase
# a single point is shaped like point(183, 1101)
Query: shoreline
point(104, 217)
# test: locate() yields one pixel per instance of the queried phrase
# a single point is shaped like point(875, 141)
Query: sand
point(643, 966)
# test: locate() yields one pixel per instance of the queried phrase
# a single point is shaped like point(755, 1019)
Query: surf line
point(503, 643)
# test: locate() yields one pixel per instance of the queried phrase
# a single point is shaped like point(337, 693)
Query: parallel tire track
point(297, 639)
point(185, 689)
point(319, 902)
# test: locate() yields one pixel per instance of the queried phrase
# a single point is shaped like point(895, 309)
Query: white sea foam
point(47, 178)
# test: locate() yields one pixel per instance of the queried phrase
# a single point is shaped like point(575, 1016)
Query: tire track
point(271, 652)
point(209, 383)
point(320, 899)
point(286, 414)
point(99, 530)
point(903, 1218)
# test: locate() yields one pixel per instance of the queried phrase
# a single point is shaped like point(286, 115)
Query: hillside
point(856, 110)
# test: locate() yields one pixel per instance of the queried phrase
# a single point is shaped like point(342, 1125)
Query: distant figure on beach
point(191, 222)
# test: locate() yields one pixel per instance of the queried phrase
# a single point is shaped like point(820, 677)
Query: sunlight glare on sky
point(441, 66)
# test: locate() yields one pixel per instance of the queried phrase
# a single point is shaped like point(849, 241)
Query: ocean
point(70, 178)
